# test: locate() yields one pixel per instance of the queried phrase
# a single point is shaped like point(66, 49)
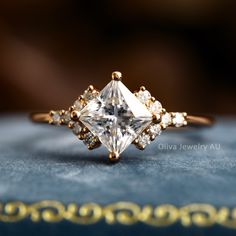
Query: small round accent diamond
point(89, 95)
point(76, 128)
point(166, 119)
point(90, 140)
point(78, 105)
point(66, 117)
point(155, 107)
point(155, 129)
point(56, 117)
point(178, 119)
point(144, 96)
point(143, 140)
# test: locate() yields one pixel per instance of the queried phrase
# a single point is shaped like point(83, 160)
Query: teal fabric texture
point(39, 162)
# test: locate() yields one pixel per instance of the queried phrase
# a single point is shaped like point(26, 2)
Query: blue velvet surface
point(39, 161)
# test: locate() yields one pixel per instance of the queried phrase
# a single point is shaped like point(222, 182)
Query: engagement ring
point(116, 117)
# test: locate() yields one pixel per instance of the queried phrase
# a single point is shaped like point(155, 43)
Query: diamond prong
point(153, 99)
point(50, 121)
point(163, 110)
point(71, 108)
point(70, 125)
point(51, 113)
point(62, 122)
point(147, 131)
point(163, 126)
point(114, 156)
point(152, 137)
point(142, 88)
point(81, 98)
point(135, 141)
point(85, 129)
point(140, 147)
point(90, 147)
point(75, 115)
point(116, 75)
point(80, 136)
point(156, 118)
point(90, 88)
point(62, 112)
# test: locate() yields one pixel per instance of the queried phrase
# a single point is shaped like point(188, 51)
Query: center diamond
point(116, 117)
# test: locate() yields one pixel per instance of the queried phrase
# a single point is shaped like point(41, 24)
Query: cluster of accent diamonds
point(69, 118)
point(154, 129)
point(161, 121)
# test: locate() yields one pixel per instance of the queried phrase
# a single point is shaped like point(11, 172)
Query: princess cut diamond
point(116, 117)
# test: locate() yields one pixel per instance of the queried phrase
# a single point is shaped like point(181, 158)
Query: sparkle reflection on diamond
point(116, 116)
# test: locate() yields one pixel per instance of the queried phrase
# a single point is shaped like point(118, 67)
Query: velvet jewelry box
point(184, 183)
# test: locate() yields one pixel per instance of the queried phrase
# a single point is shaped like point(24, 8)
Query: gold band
point(44, 117)
point(200, 120)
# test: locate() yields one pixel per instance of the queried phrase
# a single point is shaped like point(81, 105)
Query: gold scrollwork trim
point(125, 213)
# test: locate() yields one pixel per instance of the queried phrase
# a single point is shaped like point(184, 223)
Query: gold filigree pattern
point(125, 213)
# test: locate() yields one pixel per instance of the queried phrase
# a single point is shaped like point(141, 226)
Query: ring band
point(116, 118)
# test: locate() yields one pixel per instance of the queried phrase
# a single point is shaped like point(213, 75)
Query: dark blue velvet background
point(39, 162)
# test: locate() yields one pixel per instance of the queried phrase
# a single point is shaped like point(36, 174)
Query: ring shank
point(191, 119)
point(40, 117)
point(200, 120)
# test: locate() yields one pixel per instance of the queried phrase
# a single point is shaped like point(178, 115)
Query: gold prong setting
point(179, 119)
point(114, 156)
point(166, 119)
point(142, 140)
point(143, 95)
point(54, 117)
point(91, 141)
point(116, 75)
point(60, 117)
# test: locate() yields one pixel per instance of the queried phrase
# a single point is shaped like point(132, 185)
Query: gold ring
point(116, 117)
